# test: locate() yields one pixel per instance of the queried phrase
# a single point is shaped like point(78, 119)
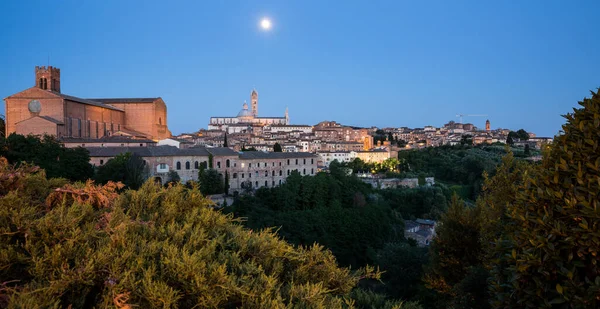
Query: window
point(89, 129)
point(227, 163)
point(279, 163)
point(178, 165)
point(304, 161)
point(187, 165)
point(266, 184)
point(118, 127)
point(312, 161)
point(312, 171)
point(280, 173)
point(273, 164)
point(273, 173)
point(219, 164)
point(159, 120)
point(97, 130)
point(79, 127)
point(162, 166)
point(235, 175)
point(288, 173)
point(304, 172)
point(279, 181)
point(266, 173)
point(256, 174)
point(235, 164)
point(242, 175)
point(196, 165)
point(101, 162)
point(249, 165)
point(265, 164)
point(112, 127)
point(273, 183)
point(249, 175)
point(296, 161)
point(257, 184)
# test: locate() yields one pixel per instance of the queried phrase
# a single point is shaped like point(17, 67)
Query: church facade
point(44, 109)
point(246, 119)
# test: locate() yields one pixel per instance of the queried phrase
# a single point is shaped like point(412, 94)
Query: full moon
point(265, 24)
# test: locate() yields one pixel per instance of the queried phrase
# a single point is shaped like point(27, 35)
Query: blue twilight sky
point(364, 63)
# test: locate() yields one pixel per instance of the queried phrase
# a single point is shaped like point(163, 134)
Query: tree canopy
point(85, 246)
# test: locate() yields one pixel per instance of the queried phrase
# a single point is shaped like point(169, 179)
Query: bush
point(86, 246)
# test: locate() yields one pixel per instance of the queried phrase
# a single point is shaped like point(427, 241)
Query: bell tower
point(254, 102)
point(488, 126)
point(47, 78)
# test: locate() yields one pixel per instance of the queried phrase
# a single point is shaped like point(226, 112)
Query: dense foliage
point(552, 247)
point(128, 168)
point(49, 154)
point(333, 210)
point(84, 246)
point(461, 167)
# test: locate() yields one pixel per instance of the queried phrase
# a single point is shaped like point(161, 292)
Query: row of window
point(228, 164)
point(235, 175)
point(249, 184)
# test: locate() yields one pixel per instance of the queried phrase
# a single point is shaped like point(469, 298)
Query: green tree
point(128, 168)
point(522, 135)
point(86, 246)
point(210, 160)
point(527, 151)
point(456, 258)
point(49, 154)
point(211, 182)
point(277, 148)
point(173, 177)
point(550, 244)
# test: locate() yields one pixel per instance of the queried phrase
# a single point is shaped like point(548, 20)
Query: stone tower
point(254, 102)
point(487, 126)
point(47, 78)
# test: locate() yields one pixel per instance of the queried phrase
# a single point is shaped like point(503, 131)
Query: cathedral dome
point(245, 113)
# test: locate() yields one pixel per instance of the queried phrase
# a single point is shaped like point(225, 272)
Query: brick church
point(43, 109)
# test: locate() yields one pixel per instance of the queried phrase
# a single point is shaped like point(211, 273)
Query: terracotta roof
point(125, 100)
point(47, 118)
point(85, 101)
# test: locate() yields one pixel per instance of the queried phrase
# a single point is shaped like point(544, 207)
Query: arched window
point(219, 164)
point(41, 83)
point(178, 165)
point(288, 161)
point(266, 173)
point(280, 173)
point(288, 173)
point(266, 184)
point(304, 161)
point(187, 165)
point(227, 163)
point(312, 161)
point(312, 171)
point(196, 165)
point(304, 172)
point(256, 184)
point(273, 173)
point(280, 182)
point(159, 120)
point(296, 161)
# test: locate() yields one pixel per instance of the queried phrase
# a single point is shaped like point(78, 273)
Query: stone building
point(44, 109)
point(247, 170)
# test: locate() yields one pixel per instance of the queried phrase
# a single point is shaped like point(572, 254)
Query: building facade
point(246, 171)
point(44, 109)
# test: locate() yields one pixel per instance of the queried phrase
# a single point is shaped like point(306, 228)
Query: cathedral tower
point(47, 78)
point(254, 102)
point(487, 126)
